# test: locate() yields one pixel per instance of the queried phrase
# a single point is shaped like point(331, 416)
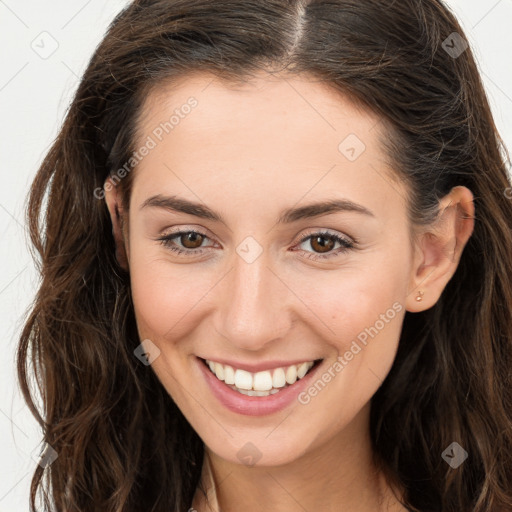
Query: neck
point(336, 475)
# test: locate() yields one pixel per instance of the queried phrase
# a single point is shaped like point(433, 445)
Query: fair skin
point(248, 152)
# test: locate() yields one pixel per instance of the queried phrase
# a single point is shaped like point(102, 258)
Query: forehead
point(269, 135)
point(259, 103)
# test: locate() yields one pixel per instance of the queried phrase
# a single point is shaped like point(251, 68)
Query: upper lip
point(258, 367)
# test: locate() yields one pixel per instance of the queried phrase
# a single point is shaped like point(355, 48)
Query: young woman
point(275, 247)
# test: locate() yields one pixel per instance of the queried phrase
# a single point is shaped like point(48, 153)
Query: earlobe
point(439, 249)
point(113, 200)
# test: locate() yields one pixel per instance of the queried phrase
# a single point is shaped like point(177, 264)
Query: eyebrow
point(288, 216)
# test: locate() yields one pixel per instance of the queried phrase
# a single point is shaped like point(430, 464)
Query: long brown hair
point(122, 443)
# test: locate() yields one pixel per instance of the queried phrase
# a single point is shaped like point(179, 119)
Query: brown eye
point(185, 242)
point(191, 240)
point(318, 243)
point(322, 245)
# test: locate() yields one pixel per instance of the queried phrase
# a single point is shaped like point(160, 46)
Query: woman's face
point(274, 278)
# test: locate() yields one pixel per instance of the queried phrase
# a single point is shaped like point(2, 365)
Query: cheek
point(360, 316)
point(352, 299)
point(167, 297)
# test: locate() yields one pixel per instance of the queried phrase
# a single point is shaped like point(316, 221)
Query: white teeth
point(219, 371)
point(260, 383)
point(252, 392)
point(302, 370)
point(243, 379)
point(278, 379)
point(229, 375)
point(291, 374)
point(259, 393)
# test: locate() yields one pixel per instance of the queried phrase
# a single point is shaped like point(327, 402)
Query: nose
point(254, 304)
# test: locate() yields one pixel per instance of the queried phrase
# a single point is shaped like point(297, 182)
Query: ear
point(439, 247)
point(113, 200)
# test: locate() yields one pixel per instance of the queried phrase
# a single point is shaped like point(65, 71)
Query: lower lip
point(255, 405)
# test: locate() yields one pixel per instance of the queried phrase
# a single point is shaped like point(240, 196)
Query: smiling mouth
point(263, 383)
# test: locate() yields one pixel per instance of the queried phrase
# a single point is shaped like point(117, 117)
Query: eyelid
point(187, 229)
point(326, 231)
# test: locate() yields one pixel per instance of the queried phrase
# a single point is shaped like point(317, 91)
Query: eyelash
point(346, 244)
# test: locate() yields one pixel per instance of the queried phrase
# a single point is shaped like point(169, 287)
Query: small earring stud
point(419, 297)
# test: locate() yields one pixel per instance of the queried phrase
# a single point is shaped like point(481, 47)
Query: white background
point(34, 96)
